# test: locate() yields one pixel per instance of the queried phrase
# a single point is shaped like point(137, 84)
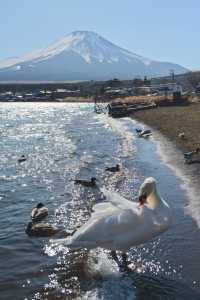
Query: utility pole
point(172, 75)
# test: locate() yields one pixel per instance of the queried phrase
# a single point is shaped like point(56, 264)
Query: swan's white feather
point(118, 201)
point(120, 224)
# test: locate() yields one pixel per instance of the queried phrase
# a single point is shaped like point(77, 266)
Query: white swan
point(120, 224)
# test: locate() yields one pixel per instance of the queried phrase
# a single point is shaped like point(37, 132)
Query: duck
point(87, 183)
point(41, 229)
point(39, 212)
point(145, 133)
point(113, 169)
point(119, 224)
point(189, 156)
point(22, 159)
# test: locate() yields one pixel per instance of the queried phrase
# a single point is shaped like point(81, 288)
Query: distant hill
point(82, 55)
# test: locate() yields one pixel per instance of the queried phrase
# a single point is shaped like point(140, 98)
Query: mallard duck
point(41, 229)
point(113, 169)
point(39, 212)
point(22, 159)
point(88, 183)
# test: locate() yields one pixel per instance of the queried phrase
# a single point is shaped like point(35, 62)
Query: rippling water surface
point(67, 141)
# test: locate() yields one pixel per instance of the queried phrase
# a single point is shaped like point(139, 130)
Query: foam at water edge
point(120, 127)
point(173, 158)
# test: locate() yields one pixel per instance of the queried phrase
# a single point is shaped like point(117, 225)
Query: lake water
point(67, 141)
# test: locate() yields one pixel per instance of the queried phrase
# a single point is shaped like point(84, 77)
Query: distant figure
point(39, 212)
point(113, 169)
point(22, 159)
point(181, 135)
point(41, 229)
point(138, 130)
point(145, 133)
point(190, 156)
point(88, 183)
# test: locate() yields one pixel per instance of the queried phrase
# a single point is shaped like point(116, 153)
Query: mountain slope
point(82, 55)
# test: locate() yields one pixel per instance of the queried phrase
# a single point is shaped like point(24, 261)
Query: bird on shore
point(39, 212)
point(120, 224)
point(145, 133)
point(87, 183)
point(113, 169)
point(189, 156)
point(181, 135)
point(41, 229)
point(22, 159)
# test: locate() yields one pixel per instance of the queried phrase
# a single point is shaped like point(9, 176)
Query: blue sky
point(164, 30)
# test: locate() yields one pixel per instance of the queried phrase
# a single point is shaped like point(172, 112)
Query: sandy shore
point(170, 121)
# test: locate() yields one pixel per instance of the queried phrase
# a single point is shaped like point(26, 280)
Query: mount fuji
point(82, 55)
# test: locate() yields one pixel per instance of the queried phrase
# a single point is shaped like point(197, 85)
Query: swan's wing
point(118, 201)
point(108, 221)
point(103, 228)
point(103, 208)
point(123, 221)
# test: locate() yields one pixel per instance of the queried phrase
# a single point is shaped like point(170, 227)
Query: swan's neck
point(154, 200)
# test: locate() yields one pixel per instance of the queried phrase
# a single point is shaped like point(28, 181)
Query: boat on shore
point(118, 110)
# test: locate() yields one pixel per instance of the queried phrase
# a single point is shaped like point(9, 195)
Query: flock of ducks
point(40, 212)
point(35, 228)
point(116, 224)
point(93, 180)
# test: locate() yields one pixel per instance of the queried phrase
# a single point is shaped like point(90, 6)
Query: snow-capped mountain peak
point(81, 55)
point(89, 45)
